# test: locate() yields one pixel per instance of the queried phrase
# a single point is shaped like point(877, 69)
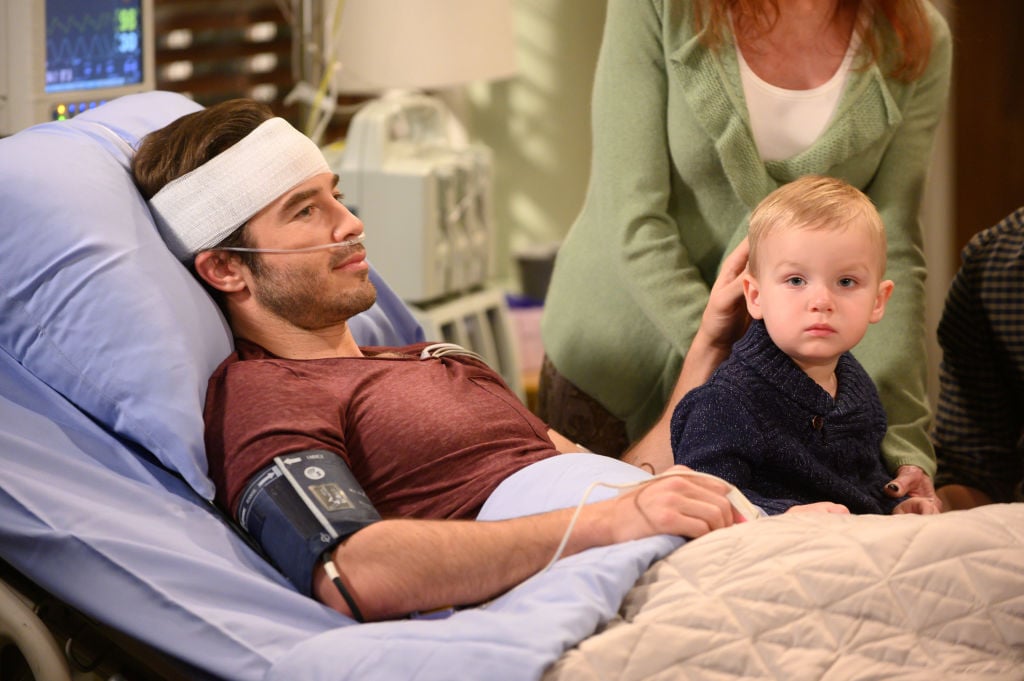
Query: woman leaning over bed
point(700, 109)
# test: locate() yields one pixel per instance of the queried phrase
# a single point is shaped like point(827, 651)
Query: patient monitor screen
point(93, 44)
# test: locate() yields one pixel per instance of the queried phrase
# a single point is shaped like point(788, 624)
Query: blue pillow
point(95, 305)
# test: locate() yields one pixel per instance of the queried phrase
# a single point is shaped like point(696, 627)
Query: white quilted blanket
point(825, 597)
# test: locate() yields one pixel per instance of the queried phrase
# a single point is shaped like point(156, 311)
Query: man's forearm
point(653, 450)
point(395, 567)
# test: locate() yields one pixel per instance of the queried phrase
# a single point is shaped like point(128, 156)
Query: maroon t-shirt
point(425, 438)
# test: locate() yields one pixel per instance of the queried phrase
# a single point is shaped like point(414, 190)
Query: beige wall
point(538, 124)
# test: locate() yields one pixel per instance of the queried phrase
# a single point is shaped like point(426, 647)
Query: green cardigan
point(675, 174)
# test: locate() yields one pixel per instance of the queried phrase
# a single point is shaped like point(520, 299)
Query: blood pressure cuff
point(300, 506)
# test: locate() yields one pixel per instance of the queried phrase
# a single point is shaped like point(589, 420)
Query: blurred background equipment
point(63, 57)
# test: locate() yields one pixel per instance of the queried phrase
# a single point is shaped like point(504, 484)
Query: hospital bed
point(105, 346)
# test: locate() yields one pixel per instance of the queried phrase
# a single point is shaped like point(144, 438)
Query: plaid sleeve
point(979, 417)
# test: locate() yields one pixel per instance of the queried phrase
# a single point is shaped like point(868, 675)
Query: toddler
point(791, 418)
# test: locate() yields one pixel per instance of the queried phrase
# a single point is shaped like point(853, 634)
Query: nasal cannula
point(322, 247)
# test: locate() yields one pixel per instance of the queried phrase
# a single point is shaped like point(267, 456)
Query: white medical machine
point(63, 57)
point(423, 191)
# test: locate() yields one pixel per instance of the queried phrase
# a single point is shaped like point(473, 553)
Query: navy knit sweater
point(764, 425)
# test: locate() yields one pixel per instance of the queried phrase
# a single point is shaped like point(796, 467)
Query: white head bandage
point(201, 208)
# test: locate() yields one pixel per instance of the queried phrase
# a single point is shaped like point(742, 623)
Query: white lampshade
point(422, 44)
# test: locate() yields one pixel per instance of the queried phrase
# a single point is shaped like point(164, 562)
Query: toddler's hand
point(819, 507)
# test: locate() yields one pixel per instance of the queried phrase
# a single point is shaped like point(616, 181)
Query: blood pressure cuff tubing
point(300, 506)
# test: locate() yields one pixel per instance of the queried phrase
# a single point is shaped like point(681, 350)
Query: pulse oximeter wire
point(736, 498)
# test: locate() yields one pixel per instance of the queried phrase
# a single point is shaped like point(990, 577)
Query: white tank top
point(787, 122)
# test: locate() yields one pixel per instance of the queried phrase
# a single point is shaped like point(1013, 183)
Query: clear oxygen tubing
point(308, 249)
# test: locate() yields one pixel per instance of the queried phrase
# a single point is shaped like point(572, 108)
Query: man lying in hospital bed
point(106, 345)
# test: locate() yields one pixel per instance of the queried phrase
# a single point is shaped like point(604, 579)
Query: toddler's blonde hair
point(815, 202)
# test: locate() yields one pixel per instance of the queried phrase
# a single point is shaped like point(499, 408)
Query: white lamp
point(422, 44)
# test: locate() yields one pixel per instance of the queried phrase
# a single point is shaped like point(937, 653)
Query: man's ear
point(220, 270)
point(752, 293)
point(884, 293)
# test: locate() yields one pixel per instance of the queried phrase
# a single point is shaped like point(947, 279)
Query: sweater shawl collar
point(759, 353)
point(710, 82)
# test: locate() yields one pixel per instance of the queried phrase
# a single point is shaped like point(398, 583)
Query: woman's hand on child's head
point(819, 507)
point(918, 505)
point(725, 318)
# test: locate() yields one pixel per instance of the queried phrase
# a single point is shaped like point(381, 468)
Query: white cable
point(735, 497)
point(579, 509)
point(438, 350)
